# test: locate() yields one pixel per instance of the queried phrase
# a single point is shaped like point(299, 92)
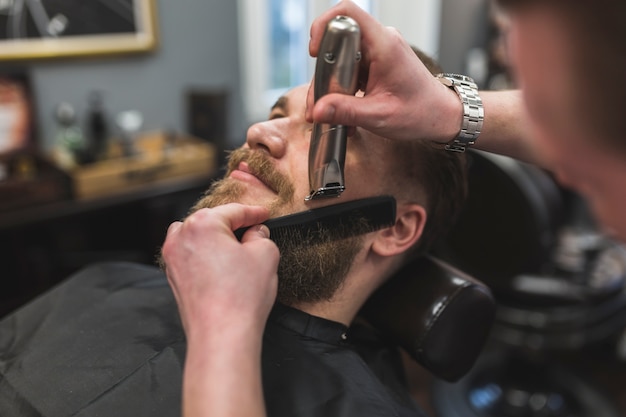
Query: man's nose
point(266, 137)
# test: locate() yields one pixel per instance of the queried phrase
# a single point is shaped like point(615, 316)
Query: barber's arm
point(404, 101)
point(224, 289)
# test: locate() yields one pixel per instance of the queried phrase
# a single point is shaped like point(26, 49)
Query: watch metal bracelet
point(473, 111)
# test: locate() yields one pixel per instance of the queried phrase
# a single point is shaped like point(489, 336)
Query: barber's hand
point(219, 282)
point(402, 99)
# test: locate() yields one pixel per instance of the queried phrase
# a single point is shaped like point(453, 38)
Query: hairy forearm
point(223, 375)
point(506, 130)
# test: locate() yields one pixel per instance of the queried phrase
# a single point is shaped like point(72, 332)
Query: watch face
point(26, 19)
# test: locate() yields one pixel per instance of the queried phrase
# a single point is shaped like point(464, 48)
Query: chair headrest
point(438, 314)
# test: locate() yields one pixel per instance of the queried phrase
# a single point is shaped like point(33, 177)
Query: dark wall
point(198, 49)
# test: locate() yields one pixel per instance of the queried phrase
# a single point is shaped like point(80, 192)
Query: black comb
point(337, 221)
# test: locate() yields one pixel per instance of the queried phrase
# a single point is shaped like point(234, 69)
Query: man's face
point(542, 53)
point(271, 169)
point(278, 175)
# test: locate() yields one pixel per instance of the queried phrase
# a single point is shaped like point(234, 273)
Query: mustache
point(261, 167)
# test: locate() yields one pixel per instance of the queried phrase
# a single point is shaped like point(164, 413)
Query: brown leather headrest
point(438, 314)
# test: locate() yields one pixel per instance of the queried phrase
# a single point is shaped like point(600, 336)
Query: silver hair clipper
point(336, 71)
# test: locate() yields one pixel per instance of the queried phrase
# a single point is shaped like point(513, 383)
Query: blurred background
point(96, 95)
point(114, 118)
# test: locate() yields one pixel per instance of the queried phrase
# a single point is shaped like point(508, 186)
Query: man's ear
point(410, 221)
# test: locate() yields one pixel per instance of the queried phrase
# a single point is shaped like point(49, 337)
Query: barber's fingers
point(211, 224)
point(259, 231)
point(259, 237)
point(310, 101)
point(238, 215)
point(256, 239)
point(347, 110)
point(174, 227)
point(372, 32)
point(369, 25)
point(225, 218)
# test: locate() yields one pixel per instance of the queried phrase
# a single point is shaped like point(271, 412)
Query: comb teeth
point(334, 222)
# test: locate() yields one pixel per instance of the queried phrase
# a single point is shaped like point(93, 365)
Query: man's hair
point(430, 64)
point(597, 28)
point(434, 178)
point(430, 176)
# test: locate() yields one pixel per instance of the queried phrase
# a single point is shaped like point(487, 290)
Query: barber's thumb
point(260, 231)
point(337, 109)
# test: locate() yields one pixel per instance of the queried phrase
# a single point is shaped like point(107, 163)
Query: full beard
point(309, 270)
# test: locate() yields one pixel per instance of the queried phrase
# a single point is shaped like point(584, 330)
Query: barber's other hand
point(402, 98)
point(219, 282)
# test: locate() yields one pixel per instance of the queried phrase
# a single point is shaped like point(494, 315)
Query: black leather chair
point(559, 286)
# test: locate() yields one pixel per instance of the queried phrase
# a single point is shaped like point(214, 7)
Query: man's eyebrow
point(281, 104)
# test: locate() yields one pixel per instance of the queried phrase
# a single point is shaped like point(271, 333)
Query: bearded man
point(312, 349)
point(316, 358)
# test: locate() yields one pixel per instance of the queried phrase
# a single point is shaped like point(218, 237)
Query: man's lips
point(243, 173)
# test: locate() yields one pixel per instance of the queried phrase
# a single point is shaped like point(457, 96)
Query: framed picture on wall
point(27, 176)
point(16, 113)
point(62, 28)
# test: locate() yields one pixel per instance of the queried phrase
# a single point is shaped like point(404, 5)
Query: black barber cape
point(108, 342)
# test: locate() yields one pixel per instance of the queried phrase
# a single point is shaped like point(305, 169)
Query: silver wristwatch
point(473, 112)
